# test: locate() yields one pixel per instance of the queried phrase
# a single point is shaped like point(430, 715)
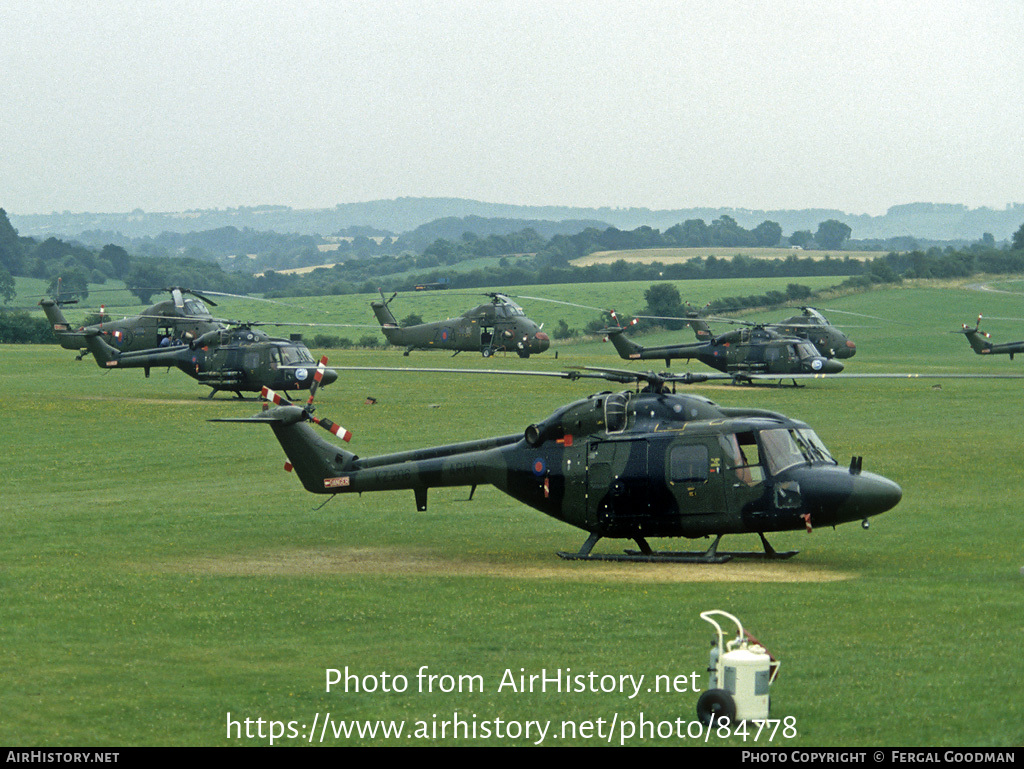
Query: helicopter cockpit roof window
point(195, 307)
point(295, 353)
point(807, 350)
point(786, 447)
point(616, 414)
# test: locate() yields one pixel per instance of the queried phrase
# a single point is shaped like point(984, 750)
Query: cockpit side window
point(742, 457)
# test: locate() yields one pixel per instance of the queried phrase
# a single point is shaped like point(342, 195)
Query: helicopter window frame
point(806, 350)
point(295, 354)
point(816, 446)
point(689, 464)
point(786, 447)
point(738, 448)
point(195, 308)
point(616, 419)
point(167, 335)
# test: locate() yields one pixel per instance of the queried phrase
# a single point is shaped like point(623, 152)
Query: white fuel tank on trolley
point(740, 673)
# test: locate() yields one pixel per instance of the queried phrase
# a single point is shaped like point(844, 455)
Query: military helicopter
point(816, 329)
point(828, 340)
point(498, 325)
point(740, 353)
point(978, 341)
point(177, 319)
point(632, 465)
point(240, 359)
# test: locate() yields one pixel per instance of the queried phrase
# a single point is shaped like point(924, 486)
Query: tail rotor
point(307, 411)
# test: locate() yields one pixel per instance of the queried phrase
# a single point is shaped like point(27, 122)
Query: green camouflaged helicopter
point(740, 352)
point(497, 326)
point(178, 319)
point(237, 360)
point(816, 329)
point(629, 465)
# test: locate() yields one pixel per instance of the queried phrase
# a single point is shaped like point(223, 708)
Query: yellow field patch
point(425, 562)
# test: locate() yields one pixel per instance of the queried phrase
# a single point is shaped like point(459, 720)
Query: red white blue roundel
point(444, 334)
point(539, 467)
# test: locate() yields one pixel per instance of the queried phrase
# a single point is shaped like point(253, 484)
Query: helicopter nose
point(826, 366)
point(330, 377)
point(543, 341)
point(877, 494)
point(870, 495)
point(835, 495)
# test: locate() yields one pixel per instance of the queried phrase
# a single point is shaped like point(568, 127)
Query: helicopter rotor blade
point(318, 377)
point(557, 301)
point(267, 394)
point(332, 427)
point(862, 315)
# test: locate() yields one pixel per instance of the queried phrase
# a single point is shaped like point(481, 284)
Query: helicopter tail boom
point(630, 350)
point(110, 357)
point(325, 468)
point(388, 323)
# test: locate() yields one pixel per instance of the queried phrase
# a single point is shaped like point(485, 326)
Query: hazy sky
point(111, 106)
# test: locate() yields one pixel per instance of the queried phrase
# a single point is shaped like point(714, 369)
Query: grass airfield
point(161, 571)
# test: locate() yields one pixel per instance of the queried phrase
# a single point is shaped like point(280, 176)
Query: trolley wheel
point(716, 704)
point(486, 352)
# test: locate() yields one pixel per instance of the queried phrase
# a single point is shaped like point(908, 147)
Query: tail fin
point(700, 328)
point(388, 323)
point(697, 323)
point(105, 355)
point(627, 348)
point(320, 464)
point(69, 338)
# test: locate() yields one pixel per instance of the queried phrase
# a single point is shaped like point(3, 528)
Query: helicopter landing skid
point(635, 556)
point(646, 555)
point(769, 553)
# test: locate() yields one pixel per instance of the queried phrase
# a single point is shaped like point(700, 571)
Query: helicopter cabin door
point(693, 472)
point(617, 480)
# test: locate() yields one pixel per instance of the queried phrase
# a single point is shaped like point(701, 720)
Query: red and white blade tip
point(335, 428)
point(268, 394)
point(318, 375)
